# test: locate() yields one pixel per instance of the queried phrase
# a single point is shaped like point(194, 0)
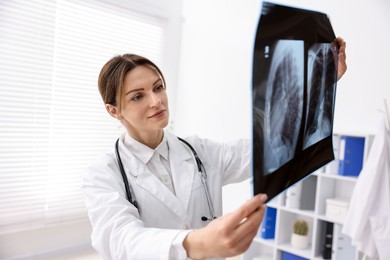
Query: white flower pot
point(299, 241)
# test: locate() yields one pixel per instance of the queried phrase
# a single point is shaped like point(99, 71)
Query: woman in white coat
point(173, 219)
point(175, 215)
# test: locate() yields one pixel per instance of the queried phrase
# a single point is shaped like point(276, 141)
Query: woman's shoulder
point(102, 163)
point(193, 139)
point(208, 145)
point(104, 157)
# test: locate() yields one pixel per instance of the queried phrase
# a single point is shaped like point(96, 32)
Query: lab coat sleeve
point(232, 159)
point(117, 231)
point(236, 161)
point(369, 205)
point(177, 250)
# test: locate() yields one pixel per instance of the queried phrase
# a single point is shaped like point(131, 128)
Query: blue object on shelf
point(351, 153)
point(289, 256)
point(268, 224)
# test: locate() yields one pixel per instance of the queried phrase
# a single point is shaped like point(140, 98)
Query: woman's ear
point(112, 110)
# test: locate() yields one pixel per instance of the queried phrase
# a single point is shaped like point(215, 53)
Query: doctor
point(174, 219)
point(174, 216)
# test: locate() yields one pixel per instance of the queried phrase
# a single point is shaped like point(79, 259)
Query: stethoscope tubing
point(206, 187)
point(201, 171)
point(123, 173)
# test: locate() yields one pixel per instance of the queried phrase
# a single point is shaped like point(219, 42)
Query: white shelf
point(306, 253)
point(263, 257)
point(325, 218)
point(316, 189)
point(272, 204)
point(268, 242)
point(303, 212)
point(338, 177)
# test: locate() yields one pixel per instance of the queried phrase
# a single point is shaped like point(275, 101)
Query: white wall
point(46, 242)
point(213, 95)
point(215, 69)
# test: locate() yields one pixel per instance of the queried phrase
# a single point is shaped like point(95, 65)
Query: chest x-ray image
point(293, 92)
point(321, 78)
point(283, 96)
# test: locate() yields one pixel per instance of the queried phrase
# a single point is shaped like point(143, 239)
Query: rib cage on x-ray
point(321, 79)
point(283, 103)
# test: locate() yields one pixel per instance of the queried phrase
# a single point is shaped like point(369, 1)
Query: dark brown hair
point(113, 73)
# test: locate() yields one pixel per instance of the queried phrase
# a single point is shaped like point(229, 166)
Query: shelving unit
point(316, 189)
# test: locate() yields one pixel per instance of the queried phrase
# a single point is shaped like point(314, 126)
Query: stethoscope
point(201, 170)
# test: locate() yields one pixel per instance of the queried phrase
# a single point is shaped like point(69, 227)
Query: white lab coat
point(121, 232)
point(368, 217)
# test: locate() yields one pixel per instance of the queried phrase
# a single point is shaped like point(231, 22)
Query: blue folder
point(268, 224)
point(351, 155)
point(288, 256)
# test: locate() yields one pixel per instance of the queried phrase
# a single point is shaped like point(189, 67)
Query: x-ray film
point(293, 93)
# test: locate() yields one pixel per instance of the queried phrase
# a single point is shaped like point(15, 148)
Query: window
point(53, 122)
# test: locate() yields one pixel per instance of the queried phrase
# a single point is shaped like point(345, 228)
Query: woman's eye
point(136, 97)
point(159, 88)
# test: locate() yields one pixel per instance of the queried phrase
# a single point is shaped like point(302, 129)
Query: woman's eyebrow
point(140, 89)
point(159, 79)
point(134, 90)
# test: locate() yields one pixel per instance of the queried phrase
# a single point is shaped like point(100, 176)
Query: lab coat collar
point(149, 182)
point(177, 147)
point(163, 148)
point(143, 152)
point(182, 168)
point(182, 175)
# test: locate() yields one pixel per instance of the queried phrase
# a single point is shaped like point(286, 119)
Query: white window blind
point(53, 122)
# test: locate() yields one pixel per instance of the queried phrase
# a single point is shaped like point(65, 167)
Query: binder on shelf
point(328, 241)
point(308, 193)
point(302, 194)
point(289, 256)
point(268, 224)
point(351, 155)
point(293, 196)
point(341, 245)
point(333, 166)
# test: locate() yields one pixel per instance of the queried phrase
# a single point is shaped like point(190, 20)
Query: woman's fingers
point(228, 235)
point(246, 241)
point(342, 57)
point(247, 230)
point(236, 217)
point(245, 225)
point(250, 226)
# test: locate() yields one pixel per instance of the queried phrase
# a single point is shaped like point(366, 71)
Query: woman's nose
point(155, 100)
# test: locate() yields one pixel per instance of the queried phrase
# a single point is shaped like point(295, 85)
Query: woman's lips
point(158, 114)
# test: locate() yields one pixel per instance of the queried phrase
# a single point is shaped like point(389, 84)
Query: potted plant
point(299, 237)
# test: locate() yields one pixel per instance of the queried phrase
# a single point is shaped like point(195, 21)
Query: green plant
point(301, 227)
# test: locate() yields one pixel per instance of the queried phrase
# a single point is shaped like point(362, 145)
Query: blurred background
point(53, 122)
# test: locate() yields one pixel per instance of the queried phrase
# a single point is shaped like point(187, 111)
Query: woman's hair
point(113, 73)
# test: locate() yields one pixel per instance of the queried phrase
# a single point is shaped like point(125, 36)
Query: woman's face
point(144, 108)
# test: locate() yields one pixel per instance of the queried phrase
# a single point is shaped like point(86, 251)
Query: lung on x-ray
point(293, 93)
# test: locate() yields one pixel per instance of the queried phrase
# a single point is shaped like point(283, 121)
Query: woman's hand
point(228, 235)
point(342, 65)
